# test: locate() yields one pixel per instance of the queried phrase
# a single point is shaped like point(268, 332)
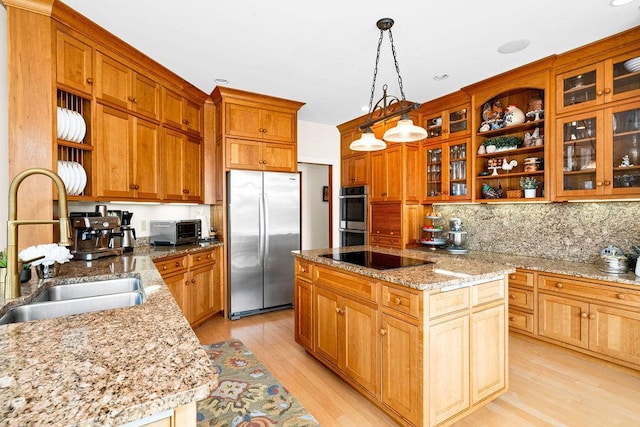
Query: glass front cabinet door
point(447, 167)
point(600, 153)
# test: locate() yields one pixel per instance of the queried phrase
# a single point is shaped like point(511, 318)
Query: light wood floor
point(549, 386)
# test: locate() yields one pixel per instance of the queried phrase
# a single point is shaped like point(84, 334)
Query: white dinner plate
point(64, 123)
point(73, 182)
point(62, 172)
point(70, 174)
point(83, 179)
point(72, 126)
point(78, 179)
point(59, 122)
point(76, 126)
point(83, 128)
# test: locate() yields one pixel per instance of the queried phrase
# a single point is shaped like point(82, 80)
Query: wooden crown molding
point(41, 7)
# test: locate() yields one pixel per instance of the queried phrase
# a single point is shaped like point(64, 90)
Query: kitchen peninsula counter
point(103, 368)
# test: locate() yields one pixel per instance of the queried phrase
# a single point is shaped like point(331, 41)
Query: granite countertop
point(478, 264)
point(103, 368)
point(446, 272)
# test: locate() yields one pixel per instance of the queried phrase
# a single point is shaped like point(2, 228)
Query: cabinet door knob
point(599, 92)
point(620, 296)
point(599, 183)
point(512, 276)
point(185, 122)
point(383, 332)
point(584, 315)
point(338, 310)
point(199, 258)
point(398, 301)
point(164, 267)
point(193, 281)
point(132, 99)
point(607, 183)
point(186, 283)
point(559, 285)
point(132, 186)
point(185, 191)
point(607, 90)
point(592, 316)
point(512, 296)
point(89, 80)
point(511, 319)
point(177, 264)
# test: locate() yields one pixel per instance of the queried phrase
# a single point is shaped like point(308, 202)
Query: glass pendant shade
point(405, 131)
point(368, 142)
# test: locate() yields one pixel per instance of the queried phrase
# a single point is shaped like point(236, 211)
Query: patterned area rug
point(247, 394)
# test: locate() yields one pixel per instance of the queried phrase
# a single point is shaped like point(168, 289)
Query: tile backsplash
point(566, 231)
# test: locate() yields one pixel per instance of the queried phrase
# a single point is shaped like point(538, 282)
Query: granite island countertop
point(445, 272)
point(478, 264)
point(103, 368)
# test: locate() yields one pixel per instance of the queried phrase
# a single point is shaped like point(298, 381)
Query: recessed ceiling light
point(442, 76)
point(222, 81)
point(514, 46)
point(615, 3)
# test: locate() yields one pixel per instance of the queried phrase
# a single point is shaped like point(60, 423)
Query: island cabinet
point(599, 318)
point(427, 358)
point(195, 282)
point(257, 132)
point(522, 296)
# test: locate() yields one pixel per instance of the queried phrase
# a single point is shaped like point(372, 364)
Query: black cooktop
point(376, 260)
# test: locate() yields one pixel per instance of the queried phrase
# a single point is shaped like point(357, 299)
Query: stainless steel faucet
point(12, 285)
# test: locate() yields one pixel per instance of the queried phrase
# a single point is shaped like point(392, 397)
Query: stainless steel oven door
point(353, 208)
point(353, 237)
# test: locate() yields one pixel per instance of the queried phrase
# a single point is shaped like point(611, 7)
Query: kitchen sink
point(89, 289)
point(77, 298)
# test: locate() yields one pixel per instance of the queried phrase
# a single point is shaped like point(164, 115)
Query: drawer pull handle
point(620, 296)
point(511, 319)
point(164, 267)
point(512, 296)
point(199, 258)
point(398, 301)
point(512, 276)
point(90, 80)
point(177, 264)
point(559, 285)
point(383, 332)
point(584, 315)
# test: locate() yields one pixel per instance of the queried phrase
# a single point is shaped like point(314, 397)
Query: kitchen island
point(426, 343)
point(104, 368)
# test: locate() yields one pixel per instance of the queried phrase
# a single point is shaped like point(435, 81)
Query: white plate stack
point(71, 125)
point(633, 65)
point(73, 175)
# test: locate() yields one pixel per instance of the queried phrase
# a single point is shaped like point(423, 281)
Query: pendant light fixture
point(388, 107)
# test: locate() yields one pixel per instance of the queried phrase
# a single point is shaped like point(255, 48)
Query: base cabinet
point(195, 281)
point(426, 358)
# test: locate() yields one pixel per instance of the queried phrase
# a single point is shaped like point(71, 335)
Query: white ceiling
point(323, 53)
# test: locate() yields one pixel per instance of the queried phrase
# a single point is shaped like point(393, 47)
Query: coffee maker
point(95, 236)
point(128, 232)
point(457, 237)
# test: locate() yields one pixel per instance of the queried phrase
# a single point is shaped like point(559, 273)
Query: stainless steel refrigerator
point(263, 221)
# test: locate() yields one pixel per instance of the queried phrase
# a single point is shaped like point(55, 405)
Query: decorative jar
point(513, 116)
point(47, 271)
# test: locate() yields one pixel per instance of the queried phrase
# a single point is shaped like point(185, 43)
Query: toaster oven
point(171, 233)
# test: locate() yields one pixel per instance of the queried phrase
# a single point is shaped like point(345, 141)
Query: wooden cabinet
point(258, 132)
point(386, 174)
point(255, 155)
point(600, 319)
point(181, 167)
point(354, 170)
point(260, 123)
point(181, 113)
point(74, 63)
point(120, 86)
point(597, 83)
point(522, 301)
point(424, 357)
point(446, 117)
point(195, 282)
point(128, 149)
point(447, 174)
point(385, 224)
point(600, 153)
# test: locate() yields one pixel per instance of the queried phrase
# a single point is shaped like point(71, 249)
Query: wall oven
point(353, 216)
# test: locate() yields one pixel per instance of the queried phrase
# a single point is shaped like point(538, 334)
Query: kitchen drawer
point(403, 301)
point(520, 298)
point(303, 268)
point(441, 303)
point(521, 321)
point(589, 290)
point(352, 284)
point(169, 266)
point(522, 278)
point(386, 241)
point(487, 292)
point(201, 258)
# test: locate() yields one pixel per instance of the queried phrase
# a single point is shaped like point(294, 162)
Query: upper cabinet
point(119, 85)
point(260, 123)
point(510, 128)
point(446, 117)
point(598, 83)
point(257, 132)
point(181, 113)
point(74, 63)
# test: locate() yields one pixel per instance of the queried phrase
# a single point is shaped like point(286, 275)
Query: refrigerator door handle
point(261, 230)
point(265, 205)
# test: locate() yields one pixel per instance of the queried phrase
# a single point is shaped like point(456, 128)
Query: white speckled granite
point(103, 368)
point(426, 277)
